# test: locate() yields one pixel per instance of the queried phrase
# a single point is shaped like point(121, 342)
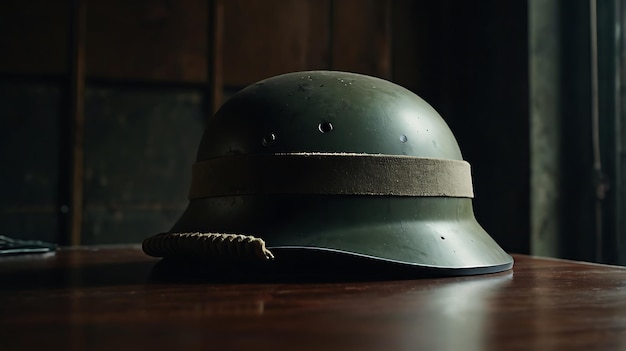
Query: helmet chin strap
point(211, 246)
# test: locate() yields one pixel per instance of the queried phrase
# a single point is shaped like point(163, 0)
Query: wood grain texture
point(34, 38)
point(264, 38)
point(361, 37)
point(76, 125)
point(100, 298)
point(147, 40)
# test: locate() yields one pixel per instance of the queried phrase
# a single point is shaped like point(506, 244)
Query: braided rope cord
point(212, 246)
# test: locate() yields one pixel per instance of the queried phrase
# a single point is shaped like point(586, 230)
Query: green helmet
point(318, 163)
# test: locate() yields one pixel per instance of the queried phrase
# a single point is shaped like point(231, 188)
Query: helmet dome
point(333, 162)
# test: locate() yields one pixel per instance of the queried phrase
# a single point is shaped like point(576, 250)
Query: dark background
point(102, 102)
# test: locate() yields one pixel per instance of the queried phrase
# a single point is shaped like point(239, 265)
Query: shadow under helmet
point(312, 163)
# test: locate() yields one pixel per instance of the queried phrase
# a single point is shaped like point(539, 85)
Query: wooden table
point(106, 298)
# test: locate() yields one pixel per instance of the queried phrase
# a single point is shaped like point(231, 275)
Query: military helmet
point(317, 163)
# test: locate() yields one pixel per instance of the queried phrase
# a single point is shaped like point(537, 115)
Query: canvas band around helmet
point(309, 166)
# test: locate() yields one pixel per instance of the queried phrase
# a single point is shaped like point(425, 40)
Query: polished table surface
point(107, 298)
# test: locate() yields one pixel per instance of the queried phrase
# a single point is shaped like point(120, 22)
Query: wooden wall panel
point(147, 40)
point(468, 59)
point(361, 37)
point(263, 38)
point(34, 37)
point(413, 37)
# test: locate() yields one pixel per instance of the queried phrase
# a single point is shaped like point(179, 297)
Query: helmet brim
point(437, 236)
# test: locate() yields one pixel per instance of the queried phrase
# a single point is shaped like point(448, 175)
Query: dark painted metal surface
point(139, 148)
point(29, 159)
point(100, 298)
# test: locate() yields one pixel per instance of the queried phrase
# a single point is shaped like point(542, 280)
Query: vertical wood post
point(72, 192)
point(215, 72)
